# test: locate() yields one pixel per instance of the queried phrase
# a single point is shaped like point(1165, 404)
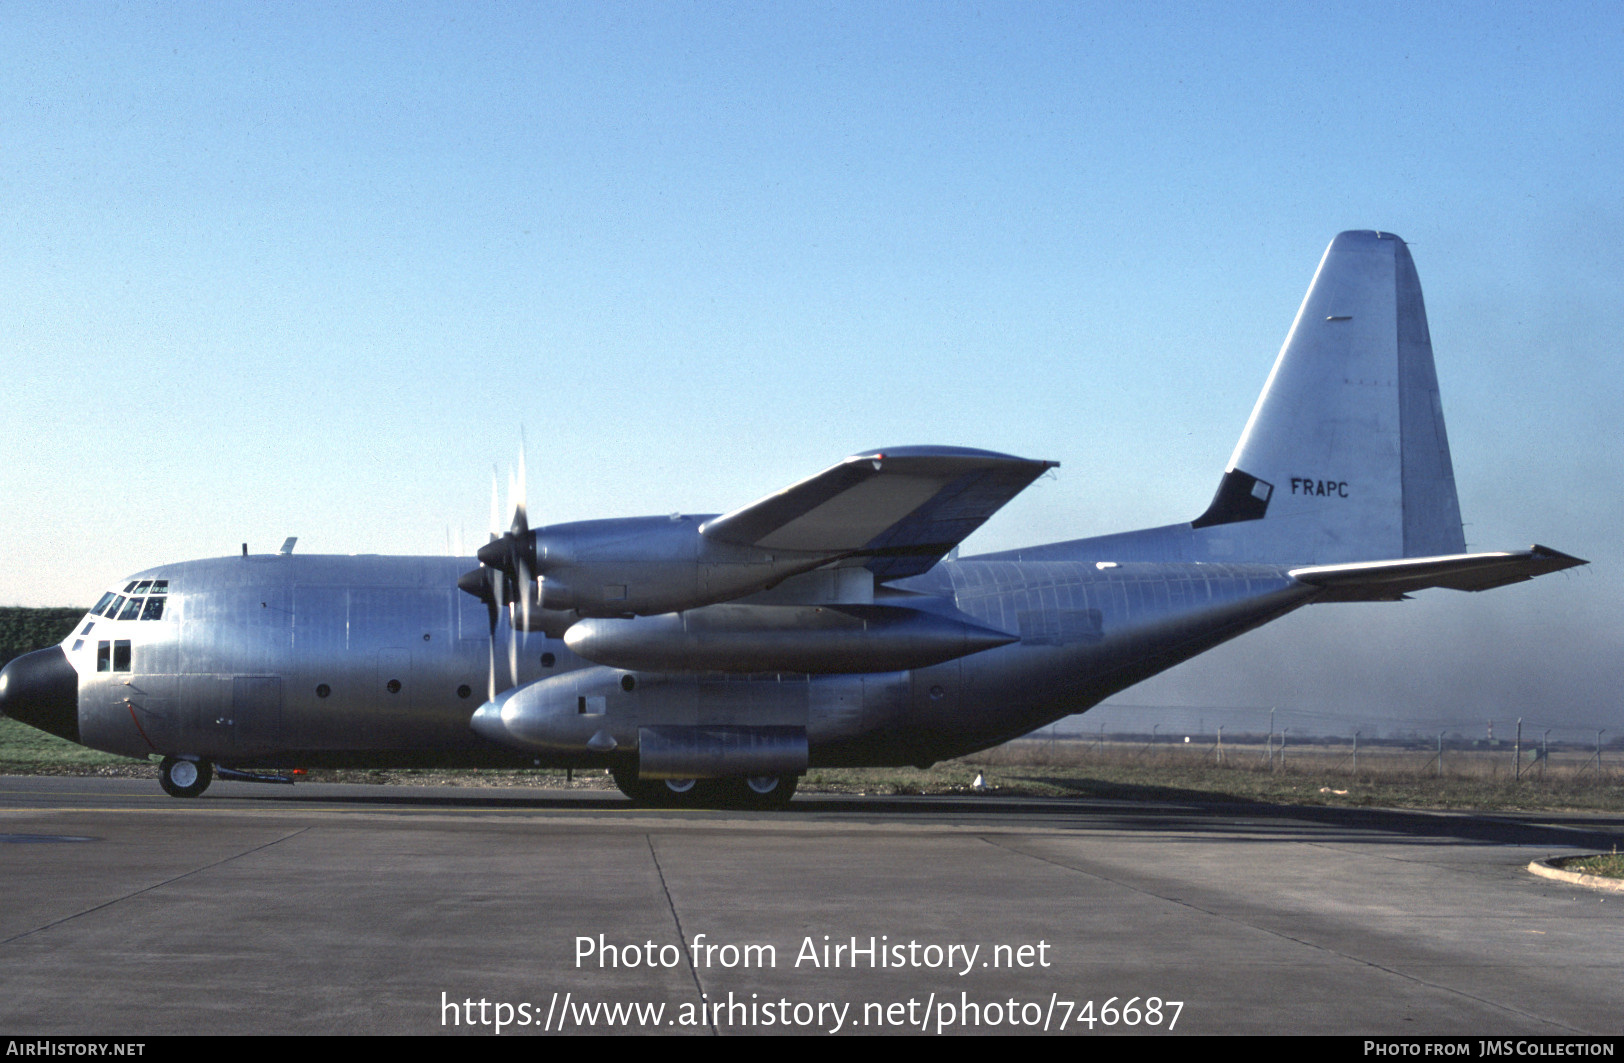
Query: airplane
point(714, 659)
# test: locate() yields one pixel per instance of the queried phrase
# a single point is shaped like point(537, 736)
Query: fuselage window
point(131, 610)
point(153, 610)
point(101, 606)
point(160, 586)
point(104, 657)
point(88, 626)
point(143, 587)
point(121, 655)
point(130, 586)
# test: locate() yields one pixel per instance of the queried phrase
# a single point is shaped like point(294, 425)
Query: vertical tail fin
point(1345, 457)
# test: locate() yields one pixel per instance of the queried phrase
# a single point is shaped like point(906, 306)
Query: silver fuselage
point(291, 660)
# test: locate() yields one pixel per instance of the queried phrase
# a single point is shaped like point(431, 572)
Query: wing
point(901, 508)
point(1386, 581)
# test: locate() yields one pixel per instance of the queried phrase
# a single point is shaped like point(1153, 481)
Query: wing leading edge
point(902, 508)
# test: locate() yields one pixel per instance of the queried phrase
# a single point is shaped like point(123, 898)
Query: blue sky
point(305, 269)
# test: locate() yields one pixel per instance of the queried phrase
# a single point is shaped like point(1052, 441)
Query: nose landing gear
point(184, 778)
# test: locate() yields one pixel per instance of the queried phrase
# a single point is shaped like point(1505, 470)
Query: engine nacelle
point(782, 638)
point(649, 565)
point(687, 726)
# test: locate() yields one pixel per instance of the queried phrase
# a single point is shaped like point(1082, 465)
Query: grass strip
point(1023, 769)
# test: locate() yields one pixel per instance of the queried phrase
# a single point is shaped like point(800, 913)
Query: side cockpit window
point(113, 656)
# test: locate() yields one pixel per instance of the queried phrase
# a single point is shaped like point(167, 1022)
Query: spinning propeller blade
point(507, 573)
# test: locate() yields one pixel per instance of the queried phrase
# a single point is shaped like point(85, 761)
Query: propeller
point(506, 576)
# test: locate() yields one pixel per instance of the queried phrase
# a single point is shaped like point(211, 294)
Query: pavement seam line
point(682, 935)
point(149, 889)
point(1279, 934)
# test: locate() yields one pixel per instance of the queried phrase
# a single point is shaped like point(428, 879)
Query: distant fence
point(1536, 758)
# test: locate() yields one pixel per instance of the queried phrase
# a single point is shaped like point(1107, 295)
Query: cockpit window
point(119, 607)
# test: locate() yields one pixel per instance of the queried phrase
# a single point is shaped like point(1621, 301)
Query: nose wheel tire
point(184, 778)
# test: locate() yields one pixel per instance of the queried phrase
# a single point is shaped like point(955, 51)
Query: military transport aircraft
point(715, 658)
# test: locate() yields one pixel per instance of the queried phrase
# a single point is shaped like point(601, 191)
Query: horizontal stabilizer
point(902, 508)
point(1388, 581)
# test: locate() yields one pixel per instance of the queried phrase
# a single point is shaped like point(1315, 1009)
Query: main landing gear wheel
point(753, 791)
point(662, 793)
point(761, 791)
point(184, 778)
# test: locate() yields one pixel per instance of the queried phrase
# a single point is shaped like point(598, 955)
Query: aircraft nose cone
point(41, 689)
